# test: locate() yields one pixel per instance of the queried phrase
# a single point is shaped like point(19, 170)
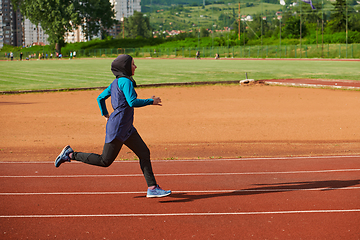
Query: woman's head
point(123, 66)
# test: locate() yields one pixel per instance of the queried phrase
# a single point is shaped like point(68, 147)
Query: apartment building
point(1, 27)
point(77, 35)
point(34, 34)
point(123, 9)
point(11, 25)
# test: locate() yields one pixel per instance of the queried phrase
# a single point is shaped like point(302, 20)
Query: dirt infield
point(212, 121)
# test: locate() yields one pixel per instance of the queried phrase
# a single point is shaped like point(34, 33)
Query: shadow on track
point(266, 188)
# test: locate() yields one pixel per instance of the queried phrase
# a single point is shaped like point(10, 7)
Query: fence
point(339, 51)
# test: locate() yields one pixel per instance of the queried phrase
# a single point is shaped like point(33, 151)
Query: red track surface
point(258, 198)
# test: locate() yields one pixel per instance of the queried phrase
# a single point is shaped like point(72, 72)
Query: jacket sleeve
point(131, 97)
point(101, 100)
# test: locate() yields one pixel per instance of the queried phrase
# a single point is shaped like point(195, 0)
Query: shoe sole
point(59, 157)
point(155, 196)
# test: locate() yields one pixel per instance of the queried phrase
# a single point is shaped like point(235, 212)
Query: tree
point(95, 15)
point(204, 32)
point(288, 2)
point(292, 28)
point(56, 17)
point(137, 26)
point(338, 17)
point(225, 20)
point(235, 26)
point(354, 22)
point(309, 15)
point(256, 26)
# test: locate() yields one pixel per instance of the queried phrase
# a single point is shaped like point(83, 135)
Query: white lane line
point(186, 192)
point(69, 193)
point(143, 192)
point(180, 214)
point(184, 174)
point(208, 160)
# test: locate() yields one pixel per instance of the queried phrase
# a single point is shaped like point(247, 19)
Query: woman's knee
point(106, 162)
point(144, 153)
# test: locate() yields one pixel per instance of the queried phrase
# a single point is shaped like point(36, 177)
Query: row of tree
point(57, 17)
point(292, 20)
point(343, 17)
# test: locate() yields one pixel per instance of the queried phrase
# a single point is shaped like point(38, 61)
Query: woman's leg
point(138, 146)
point(110, 152)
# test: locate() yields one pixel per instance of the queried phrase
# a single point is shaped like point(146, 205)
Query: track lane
point(281, 226)
point(185, 166)
point(258, 203)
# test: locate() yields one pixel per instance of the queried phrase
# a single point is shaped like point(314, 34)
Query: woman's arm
point(101, 101)
point(127, 88)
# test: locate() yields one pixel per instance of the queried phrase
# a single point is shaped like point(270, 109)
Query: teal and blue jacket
point(123, 100)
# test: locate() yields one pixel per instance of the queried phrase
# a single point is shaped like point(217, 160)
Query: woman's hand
point(107, 116)
point(157, 100)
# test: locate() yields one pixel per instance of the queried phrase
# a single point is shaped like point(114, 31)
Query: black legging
point(112, 149)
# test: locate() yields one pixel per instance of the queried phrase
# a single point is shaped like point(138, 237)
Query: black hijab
point(121, 67)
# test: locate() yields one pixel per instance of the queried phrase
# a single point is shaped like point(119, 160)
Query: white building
point(125, 8)
point(34, 34)
point(247, 18)
point(77, 35)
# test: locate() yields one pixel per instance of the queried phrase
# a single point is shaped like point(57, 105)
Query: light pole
point(322, 28)
point(239, 22)
point(300, 28)
point(346, 9)
point(280, 35)
point(123, 26)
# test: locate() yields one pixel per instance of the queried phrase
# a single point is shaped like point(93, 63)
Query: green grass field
point(59, 74)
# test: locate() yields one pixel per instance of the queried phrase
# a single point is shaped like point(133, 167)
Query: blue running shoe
point(157, 192)
point(63, 156)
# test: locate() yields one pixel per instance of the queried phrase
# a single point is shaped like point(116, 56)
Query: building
point(1, 29)
point(11, 25)
point(34, 34)
point(16, 30)
point(77, 35)
point(125, 8)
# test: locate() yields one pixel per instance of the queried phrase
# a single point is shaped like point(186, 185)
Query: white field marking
point(179, 214)
point(206, 160)
point(183, 174)
point(200, 191)
point(312, 85)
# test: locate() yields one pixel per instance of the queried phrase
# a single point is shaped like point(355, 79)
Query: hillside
point(190, 15)
point(215, 16)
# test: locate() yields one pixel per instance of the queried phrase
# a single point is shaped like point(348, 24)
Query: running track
point(254, 198)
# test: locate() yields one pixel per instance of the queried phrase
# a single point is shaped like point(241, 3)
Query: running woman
point(119, 128)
